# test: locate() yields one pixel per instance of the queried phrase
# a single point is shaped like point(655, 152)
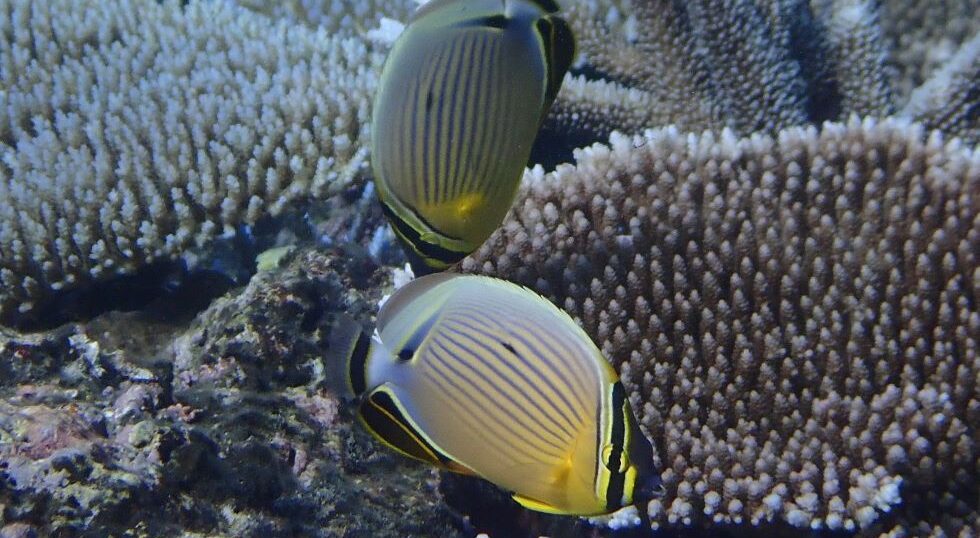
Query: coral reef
point(795, 316)
point(950, 99)
point(196, 119)
point(143, 424)
point(336, 17)
point(793, 304)
point(133, 130)
point(924, 35)
point(763, 65)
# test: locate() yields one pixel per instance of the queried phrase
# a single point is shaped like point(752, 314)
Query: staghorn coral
point(131, 130)
point(192, 121)
point(853, 33)
point(795, 317)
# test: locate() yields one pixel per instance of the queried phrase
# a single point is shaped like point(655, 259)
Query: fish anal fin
point(384, 415)
point(538, 506)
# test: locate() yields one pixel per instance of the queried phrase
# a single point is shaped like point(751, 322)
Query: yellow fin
point(539, 506)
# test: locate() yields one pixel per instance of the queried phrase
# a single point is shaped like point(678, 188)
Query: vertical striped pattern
point(457, 111)
point(451, 118)
point(507, 385)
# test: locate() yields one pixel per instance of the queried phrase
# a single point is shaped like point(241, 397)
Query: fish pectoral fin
point(538, 506)
point(385, 416)
point(561, 472)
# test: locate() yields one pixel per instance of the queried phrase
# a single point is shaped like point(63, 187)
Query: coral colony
point(770, 226)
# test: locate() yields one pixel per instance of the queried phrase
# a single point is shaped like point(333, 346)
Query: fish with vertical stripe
point(461, 97)
point(480, 376)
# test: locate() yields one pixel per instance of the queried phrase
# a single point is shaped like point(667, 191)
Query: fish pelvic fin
point(385, 415)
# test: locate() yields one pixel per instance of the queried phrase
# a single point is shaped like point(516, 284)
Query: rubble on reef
point(216, 424)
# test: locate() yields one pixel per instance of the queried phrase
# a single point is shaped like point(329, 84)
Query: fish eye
point(607, 453)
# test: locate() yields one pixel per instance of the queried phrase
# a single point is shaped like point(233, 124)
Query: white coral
point(132, 129)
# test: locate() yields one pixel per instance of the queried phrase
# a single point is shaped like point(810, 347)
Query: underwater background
point(764, 213)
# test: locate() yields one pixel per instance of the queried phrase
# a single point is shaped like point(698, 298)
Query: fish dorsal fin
point(558, 42)
point(384, 415)
point(537, 506)
point(407, 294)
point(429, 7)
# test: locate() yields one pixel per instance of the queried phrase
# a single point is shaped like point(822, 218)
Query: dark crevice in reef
point(163, 290)
point(173, 290)
point(553, 147)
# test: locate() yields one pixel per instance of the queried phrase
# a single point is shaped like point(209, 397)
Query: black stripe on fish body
point(617, 477)
point(559, 379)
point(462, 96)
point(358, 363)
point(479, 353)
point(429, 140)
point(466, 367)
point(537, 338)
point(558, 42)
point(484, 118)
point(528, 369)
point(426, 252)
point(496, 394)
point(385, 418)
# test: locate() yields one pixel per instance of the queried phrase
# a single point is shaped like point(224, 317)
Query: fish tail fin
point(348, 353)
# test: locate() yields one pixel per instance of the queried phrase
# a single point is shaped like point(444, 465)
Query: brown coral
point(796, 316)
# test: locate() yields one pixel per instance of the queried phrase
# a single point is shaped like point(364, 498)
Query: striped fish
point(461, 97)
point(480, 376)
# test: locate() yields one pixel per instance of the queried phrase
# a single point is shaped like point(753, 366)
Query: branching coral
point(131, 130)
point(796, 316)
point(855, 57)
point(758, 65)
point(337, 17)
point(950, 99)
point(924, 35)
point(738, 63)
